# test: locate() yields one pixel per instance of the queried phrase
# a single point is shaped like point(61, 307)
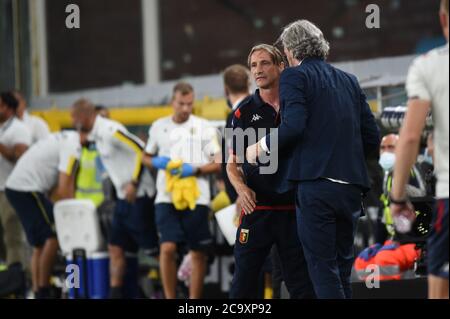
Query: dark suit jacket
point(327, 129)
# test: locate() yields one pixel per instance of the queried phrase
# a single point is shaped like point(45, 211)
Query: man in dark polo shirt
point(267, 218)
point(236, 80)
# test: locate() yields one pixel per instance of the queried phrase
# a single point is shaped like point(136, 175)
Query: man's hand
point(237, 214)
point(130, 190)
point(401, 209)
point(246, 199)
point(253, 153)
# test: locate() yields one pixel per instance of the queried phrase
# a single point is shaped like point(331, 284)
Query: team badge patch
point(243, 236)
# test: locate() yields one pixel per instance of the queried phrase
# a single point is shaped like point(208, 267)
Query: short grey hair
point(305, 40)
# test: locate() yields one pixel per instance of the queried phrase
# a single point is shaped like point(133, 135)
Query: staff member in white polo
point(14, 141)
point(48, 167)
point(191, 139)
point(38, 127)
point(133, 224)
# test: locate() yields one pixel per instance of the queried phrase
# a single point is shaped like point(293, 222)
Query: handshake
point(186, 170)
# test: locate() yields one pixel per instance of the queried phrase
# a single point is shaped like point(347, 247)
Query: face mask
point(387, 161)
point(427, 158)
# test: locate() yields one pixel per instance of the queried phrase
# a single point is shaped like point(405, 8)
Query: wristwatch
point(398, 201)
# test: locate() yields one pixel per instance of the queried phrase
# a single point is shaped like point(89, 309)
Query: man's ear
point(444, 22)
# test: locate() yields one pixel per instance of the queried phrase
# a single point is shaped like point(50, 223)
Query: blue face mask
point(427, 158)
point(387, 161)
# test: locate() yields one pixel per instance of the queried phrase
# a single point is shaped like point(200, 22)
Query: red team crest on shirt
point(243, 236)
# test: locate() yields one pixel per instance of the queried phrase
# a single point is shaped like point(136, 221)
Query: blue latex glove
point(369, 252)
point(160, 162)
point(187, 170)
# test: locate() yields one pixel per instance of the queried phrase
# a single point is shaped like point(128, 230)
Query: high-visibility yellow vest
point(387, 216)
point(89, 184)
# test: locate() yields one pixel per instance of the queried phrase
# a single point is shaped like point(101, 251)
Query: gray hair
point(305, 40)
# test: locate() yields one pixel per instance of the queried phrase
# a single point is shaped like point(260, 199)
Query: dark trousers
point(277, 273)
point(256, 235)
point(327, 215)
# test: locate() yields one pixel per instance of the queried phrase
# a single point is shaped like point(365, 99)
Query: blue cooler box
point(96, 269)
point(94, 277)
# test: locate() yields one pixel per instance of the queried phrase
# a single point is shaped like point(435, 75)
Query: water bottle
point(185, 270)
point(403, 224)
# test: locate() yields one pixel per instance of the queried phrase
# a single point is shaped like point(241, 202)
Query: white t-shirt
point(38, 169)
point(38, 127)
point(194, 142)
point(121, 154)
point(428, 80)
point(12, 132)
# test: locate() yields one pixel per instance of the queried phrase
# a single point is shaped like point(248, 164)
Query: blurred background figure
point(428, 90)
point(133, 226)
point(416, 188)
point(38, 127)
point(44, 174)
point(15, 138)
point(387, 152)
point(185, 150)
point(236, 79)
point(93, 182)
point(394, 253)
